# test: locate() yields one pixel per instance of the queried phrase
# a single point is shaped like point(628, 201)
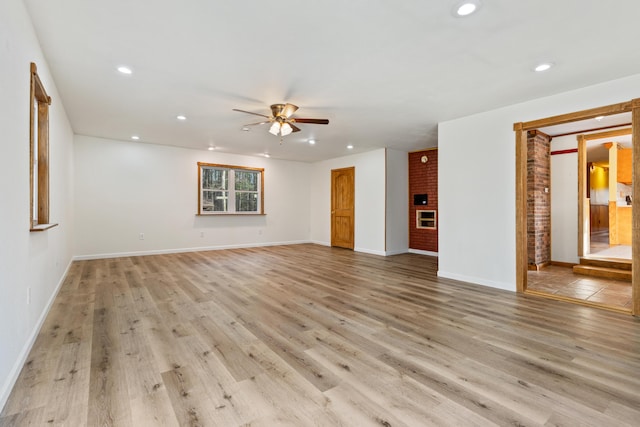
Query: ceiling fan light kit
point(285, 129)
point(281, 121)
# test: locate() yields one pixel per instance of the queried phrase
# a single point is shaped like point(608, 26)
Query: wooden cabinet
point(624, 225)
point(426, 219)
point(599, 218)
point(624, 165)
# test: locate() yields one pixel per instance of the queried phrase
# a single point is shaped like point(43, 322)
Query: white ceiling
point(383, 72)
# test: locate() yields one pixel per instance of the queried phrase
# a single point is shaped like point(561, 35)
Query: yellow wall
point(599, 178)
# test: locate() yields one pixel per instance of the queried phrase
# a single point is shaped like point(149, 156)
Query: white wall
point(477, 181)
point(397, 210)
point(564, 201)
point(127, 188)
point(28, 260)
point(369, 200)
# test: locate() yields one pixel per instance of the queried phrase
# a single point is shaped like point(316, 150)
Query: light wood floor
point(310, 335)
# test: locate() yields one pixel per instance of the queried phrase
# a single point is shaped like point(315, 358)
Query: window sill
point(231, 214)
point(42, 227)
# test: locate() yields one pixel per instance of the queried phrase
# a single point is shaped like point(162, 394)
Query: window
point(224, 189)
point(39, 154)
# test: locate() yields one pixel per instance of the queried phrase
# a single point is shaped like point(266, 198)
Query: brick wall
point(423, 179)
point(538, 201)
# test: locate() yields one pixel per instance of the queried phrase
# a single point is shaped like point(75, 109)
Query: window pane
point(246, 180)
point(246, 202)
point(215, 201)
point(215, 179)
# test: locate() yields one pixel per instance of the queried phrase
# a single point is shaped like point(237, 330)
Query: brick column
point(538, 199)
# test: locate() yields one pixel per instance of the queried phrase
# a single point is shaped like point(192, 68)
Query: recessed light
point(125, 70)
point(267, 155)
point(543, 67)
point(599, 118)
point(135, 137)
point(245, 128)
point(211, 148)
point(349, 147)
point(181, 117)
point(312, 141)
point(467, 8)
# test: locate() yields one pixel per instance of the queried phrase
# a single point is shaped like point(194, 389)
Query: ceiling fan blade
point(288, 110)
point(258, 123)
point(294, 127)
point(249, 112)
point(313, 121)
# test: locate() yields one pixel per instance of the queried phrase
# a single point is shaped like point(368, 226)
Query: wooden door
point(342, 207)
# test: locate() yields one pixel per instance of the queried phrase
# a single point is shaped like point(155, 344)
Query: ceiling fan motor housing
point(283, 110)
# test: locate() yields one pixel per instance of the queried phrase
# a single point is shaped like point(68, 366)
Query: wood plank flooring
point(309, 335)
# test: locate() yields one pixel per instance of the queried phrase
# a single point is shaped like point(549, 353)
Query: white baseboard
point(476, 281)
point(421, 252)
point(396, 252)
point(26, 349)
point(369, 251)
point(364, 250)
point(181, 250)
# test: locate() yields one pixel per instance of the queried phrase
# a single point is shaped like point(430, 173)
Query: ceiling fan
point(281, 121)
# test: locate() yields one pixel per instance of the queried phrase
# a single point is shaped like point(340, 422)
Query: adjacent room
point(319, 213)
point(588, 261)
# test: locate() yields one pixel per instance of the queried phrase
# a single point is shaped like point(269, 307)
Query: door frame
point(521, 129)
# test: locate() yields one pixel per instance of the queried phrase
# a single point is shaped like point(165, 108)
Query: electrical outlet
point(202, 234)
point(28, 296)
point(141, 236)
point(260, 232)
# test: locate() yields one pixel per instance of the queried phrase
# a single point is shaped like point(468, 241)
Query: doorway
point(606, 174)
point(342, 207)
point(521, 129)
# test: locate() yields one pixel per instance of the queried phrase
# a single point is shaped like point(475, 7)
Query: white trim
point(7, 387)
point(421, 252)
point(369, 251)
point(364, 250)
point(476, 281)
point(181, 250)
point(397, 252)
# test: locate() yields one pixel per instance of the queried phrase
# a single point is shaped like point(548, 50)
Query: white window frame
point(231, 202)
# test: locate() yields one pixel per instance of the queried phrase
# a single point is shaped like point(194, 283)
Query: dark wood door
point(342, 207)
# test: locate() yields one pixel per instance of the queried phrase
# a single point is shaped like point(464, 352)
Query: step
point(618, 264)
point(606, 272)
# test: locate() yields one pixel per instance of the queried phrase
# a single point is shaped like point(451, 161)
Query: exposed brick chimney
point(538, 199)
